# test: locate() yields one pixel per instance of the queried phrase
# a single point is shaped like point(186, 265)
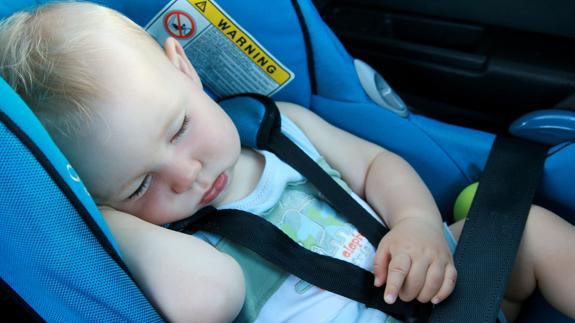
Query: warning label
point(227, 58)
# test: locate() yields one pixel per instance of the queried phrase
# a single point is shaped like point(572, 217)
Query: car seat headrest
point(57, 251)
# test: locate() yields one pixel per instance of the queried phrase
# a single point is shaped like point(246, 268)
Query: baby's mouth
point(217, 187)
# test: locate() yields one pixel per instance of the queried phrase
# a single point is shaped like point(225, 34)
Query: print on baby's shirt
point(315, 225)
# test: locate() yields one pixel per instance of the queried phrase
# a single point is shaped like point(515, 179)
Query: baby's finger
point(398, 268)
point(380, 265)
point(447, 286)
point(433, 282)
point(414, 281)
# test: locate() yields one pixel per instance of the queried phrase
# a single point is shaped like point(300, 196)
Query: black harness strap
point(486, 250)
point(341, 200)
point(272, 139)
point(266, 240)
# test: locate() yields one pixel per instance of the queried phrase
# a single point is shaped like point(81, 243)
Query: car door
point(480, 64)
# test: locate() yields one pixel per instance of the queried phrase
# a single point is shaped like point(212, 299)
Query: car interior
point(465, 72)
point(481, 64)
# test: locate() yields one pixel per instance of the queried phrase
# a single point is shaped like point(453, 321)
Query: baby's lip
point(217, 187)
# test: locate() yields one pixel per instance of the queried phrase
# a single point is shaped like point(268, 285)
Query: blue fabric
point(8, 7)
point(19, 113)
point(247, 114)
point(432, 148)
point(50, 255)
point(334, 69)
point(557, 185)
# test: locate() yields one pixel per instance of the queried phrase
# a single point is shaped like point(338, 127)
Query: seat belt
point(490, 238)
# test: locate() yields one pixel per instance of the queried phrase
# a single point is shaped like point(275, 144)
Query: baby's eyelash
point(143, 188)
point(182, 129)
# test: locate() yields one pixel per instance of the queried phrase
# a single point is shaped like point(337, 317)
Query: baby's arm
point(186, 278)
point(413, 259)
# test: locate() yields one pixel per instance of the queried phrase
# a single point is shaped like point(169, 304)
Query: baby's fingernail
point(389, 298)
point(436, 300)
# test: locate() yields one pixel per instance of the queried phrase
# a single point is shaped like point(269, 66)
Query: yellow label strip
point(242, 41)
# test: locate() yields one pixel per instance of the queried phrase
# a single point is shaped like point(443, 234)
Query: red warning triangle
point(201, 5)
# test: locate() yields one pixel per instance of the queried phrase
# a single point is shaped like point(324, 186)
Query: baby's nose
point(183, 175)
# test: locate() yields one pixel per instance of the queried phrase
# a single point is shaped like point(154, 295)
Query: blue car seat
point(58, 254)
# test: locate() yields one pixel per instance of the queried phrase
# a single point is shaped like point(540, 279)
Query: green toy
point(463, 202)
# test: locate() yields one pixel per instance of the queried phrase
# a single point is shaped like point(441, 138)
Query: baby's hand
point(414, 261)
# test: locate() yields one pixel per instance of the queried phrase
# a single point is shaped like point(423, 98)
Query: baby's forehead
point(71, 22)
point(82, 24)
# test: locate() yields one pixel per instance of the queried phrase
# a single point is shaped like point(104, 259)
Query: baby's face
point(159, 148)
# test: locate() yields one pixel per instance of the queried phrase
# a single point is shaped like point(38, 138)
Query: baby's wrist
point(428, 221)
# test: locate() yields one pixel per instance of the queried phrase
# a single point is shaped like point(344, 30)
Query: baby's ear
point(179, 59)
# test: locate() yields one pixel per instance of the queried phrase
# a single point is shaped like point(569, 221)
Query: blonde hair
point(48, 57)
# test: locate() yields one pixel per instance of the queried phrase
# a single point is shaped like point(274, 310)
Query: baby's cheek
point(154, 209)
point(170, 208)
point(163, 214)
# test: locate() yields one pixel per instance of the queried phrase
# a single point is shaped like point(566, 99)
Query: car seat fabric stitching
point(308, 46)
